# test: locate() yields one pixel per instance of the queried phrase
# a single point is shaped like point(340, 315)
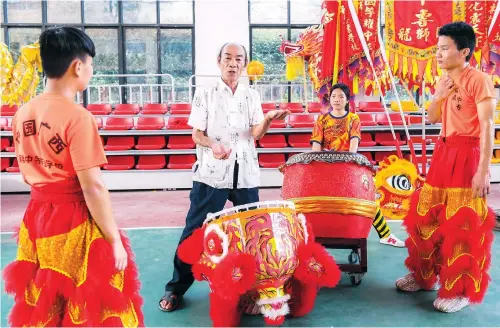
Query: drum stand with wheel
point(358, 259)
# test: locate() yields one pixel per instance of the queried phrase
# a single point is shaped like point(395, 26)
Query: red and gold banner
point(494, 55)
point(411, 31)
point(343, 58)
point(479, 14)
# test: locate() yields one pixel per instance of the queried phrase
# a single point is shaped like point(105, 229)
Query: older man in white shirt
point(226, 121)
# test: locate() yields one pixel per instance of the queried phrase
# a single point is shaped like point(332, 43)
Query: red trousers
point(450, 233)
point(64, 273)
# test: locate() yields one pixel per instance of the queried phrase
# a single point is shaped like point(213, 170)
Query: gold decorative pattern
point(454, 198)
point(76, 313)
point(32, 293)
point(336, 205)
point(117, 280)
point(128, 317)
point(26, 251)
point(67, 253)
point(477, 282)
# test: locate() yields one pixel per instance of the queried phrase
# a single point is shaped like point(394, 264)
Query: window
point(270, 21)
point(150, 37)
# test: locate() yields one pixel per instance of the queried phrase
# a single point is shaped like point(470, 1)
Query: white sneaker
point(392, 241)
point(450, 305)
point(409, 284)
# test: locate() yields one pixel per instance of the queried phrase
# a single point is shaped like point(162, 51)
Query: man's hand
point(480, 184)
point(444, 88)
point(277, 114)
point(220, 152)
point(120, 255)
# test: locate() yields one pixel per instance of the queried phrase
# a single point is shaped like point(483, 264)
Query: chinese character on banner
point(404, 34)
point(423, 33)
point(423, 18)
point(57, 144)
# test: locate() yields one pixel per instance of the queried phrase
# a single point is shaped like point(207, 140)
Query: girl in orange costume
point(340, 130)
point(73, 266)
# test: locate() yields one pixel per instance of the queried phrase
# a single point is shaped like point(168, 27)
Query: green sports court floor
point(374, 303)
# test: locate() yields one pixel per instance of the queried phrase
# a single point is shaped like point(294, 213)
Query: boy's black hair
point(462, 35)
point(225, 44)
point(59, 46)
point(346, 91)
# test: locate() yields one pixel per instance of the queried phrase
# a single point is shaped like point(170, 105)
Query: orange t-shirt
point(335, 133)
point(54, 138)
point(459, 109)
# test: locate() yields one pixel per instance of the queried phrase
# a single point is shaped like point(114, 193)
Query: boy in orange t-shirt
point(449, 224)
point(71, 254)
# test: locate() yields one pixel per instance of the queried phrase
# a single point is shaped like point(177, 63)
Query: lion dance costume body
point(450, 232)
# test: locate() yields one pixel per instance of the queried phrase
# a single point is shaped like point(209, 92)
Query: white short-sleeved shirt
point(227, 118)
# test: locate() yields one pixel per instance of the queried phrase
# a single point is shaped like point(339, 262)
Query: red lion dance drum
point(335, 190)
point(256, 258)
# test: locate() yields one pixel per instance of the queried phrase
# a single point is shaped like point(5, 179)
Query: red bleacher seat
point(278, 124)
point(5, 124)
point(127, 109)
point(273, 141)
point(181, 162)
point(369, 156)
point(371, 106)
point(266, 107)
point(99, 109)
point(14, 167)
point(11, 148)
point(299, 140)
point(155, 109)
point(120, 163)
point(120, 143)
point(119, 123)
point(150, 123)
point(314, 107)
point(293, 107)
point(4, 143)
point(432, 138)
point(386, 139)
point(178, 123)
point(367, 120)
point(301, 121)
point(379, 156)
point(5, 163)
point(8, 110)
point(156, 162)
point(418, 140)
point(366, 140)
point(180, 142)
point(98, 120)
point(180, 108)
point(271, 160)
point(288, 155)
point(150, 143)
point(395, 119)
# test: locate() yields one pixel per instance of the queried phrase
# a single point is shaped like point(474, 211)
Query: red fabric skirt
point(450, 232)
point(64, 273)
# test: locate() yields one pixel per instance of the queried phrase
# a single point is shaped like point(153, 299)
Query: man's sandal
point(171, 298)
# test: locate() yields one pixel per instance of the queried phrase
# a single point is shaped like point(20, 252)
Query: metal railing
point(130, 88)
point(272, 88)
